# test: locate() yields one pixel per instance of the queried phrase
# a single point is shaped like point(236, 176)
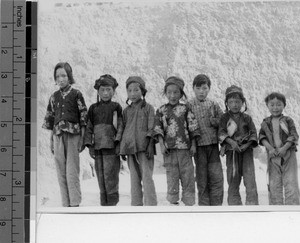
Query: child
point(176, 129)
point(278, 134)
point(238, 137)
point(137, 143)
point(209, 173)
point(102, 137)
point(66, 118)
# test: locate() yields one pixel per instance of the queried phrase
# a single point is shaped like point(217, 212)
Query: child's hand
point(117, 147)
point(51, 146)
point(281, 152)
point(192, 150)
point(272, 153)
point(92, 152)
point(164, 150)
point(244, 147)
point(150, 151)
point(80, 145)
point(235, 146)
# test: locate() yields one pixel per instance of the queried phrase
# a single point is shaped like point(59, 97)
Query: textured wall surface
point(253, 45)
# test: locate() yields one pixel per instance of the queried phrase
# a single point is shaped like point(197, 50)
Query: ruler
point(17, 112)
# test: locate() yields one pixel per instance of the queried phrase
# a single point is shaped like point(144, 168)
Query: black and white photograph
point(181, 107)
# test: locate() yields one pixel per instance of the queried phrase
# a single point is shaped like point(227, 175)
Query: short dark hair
point(276, 95)
point(67, 67)
point(201, 79)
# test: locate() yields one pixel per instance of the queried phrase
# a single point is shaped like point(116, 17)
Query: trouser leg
point(249, 177)
point(60, 163)
point(73, 169)
point(146, 167)
point(202, 176)
point(215, 176)
point(234, 197)
point(186, 171)
point(290, 180)
point(172, 173)
point(135, 181)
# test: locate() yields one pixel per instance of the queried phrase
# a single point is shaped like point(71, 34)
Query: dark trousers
point(209, 175)
point(107, 166)
point(244, 168)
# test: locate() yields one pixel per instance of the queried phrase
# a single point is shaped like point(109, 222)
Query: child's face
point(134, 92)
point(275, 107)
point(173, 94)
point(61, 78)
point(235, 104)
point(106, 92)
point(201, 92)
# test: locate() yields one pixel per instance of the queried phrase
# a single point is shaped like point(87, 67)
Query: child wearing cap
point(209, 173)
point(176, 128)
point(137, 143)
point(102, 137)
point(279, 136)
point(238, 137)
point(66, 117)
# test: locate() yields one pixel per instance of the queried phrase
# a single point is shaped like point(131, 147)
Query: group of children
point(184, 130)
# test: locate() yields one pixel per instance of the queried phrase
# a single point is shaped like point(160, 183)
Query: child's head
point(136, 88)
point(106, 86)
point(275, 102)
point(201, 86)
point(234, 99)
point(174, 89)
point(63, 74)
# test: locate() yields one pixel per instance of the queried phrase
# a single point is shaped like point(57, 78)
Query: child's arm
point(158, 130)
point(51, 142)
point(233, 144)
point(253, 133)
point(193, 126)
point(163, 147)
point(271, 151)
point(216, 115)
point(120, 125)
point(193, 147)
point(80, 143)
point(293, 135)
point(150, 142)
point(282, 151)
point(83, 119)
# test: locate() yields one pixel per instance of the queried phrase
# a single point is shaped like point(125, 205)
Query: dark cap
point(106, 80)
point(135, 79)
point(175, 80)
point(233, 89)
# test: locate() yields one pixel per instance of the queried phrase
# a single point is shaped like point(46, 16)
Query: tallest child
point(66, 117)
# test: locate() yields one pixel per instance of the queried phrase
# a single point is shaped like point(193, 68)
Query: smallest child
point(279, 136)
point(238, 137)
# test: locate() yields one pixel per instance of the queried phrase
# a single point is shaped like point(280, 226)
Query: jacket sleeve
point(216, 115)
point(50, 113)
point(252, 132)
point(158, 124)
point(151, 120)
point(82, 109)
point(262, 133)
point(89, 131)
point(193, 126)
point(222, 131)
point(120, 123)
point(293, 135)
